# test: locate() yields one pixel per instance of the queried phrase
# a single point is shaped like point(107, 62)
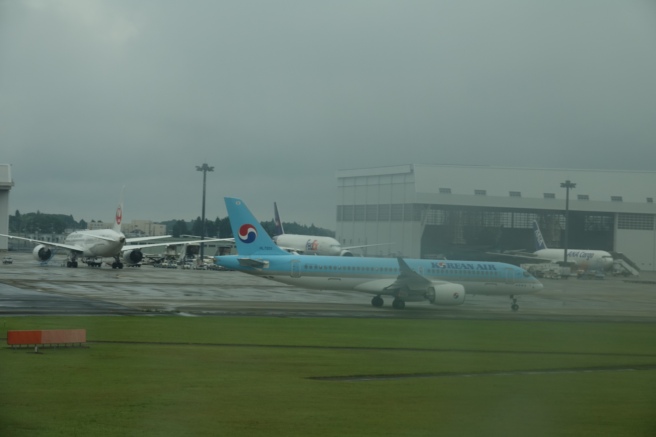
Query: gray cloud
point(279, 95)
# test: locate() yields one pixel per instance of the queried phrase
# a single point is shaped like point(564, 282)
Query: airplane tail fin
point(539, 239)
point(119, 213)
point(250, 236)
point(276, 220)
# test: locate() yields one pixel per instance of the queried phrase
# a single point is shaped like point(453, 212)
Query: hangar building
point(468, 212)
point(5, 185)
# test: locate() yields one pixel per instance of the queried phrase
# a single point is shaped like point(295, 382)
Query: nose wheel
point(514, 305)
point(117, 264)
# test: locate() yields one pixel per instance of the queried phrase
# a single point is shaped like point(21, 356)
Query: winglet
point(539, 239)
point(250, 236)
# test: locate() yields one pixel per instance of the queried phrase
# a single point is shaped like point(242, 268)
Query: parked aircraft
point(584, 259)
point(439, 282)
point(311, 244)
point(93, 245)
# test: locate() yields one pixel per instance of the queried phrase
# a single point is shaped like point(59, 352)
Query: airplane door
point(296, 269)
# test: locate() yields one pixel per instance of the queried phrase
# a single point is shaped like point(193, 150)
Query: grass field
point(175, 376)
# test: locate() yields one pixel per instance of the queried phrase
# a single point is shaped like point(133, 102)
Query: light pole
point(204, 168)
point(567, 185)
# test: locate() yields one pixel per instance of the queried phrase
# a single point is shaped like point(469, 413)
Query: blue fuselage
point(373, 275)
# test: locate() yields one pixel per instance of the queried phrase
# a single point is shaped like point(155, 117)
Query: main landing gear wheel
point(377, 301)
point(398, 304)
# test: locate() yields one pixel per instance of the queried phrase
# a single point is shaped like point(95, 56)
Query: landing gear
point(71, 262)
point(514, 305)
point(398, 304)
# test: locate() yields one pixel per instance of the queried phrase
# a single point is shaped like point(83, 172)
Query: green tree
point(225, 231)
point(197, 227)
point(179, 228)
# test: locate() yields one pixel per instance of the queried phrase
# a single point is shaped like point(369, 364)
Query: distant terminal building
point(144, 228)
point(465, 212)
point(5, 186)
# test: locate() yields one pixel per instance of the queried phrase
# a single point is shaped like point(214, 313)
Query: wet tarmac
point(27, 288)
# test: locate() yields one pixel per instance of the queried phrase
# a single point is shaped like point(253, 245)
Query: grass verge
point(155, 376)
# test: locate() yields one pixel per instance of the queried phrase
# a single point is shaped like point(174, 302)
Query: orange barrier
point(46, 337)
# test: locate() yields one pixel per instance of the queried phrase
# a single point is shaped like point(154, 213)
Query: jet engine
point(132, 256)
point(346, 253)
point(446, 294)
point(42, 252)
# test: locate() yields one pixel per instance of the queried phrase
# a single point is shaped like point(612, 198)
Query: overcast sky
point(279, 95)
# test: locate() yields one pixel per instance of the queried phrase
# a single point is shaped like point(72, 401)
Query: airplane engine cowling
point(446, 294)
point(346, 253)
point(42, 252)
point(132, 256)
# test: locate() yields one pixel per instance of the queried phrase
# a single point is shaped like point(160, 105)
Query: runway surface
point(26, 288)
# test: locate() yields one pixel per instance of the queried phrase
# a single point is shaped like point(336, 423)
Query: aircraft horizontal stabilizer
point(256, 263)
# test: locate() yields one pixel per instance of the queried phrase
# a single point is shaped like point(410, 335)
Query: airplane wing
point(518, 257)
point(412, 282)
point(291, 250)
point(173, 243)
point(408, 278)
point(137, 239)
point(47, 243)
point(366, 245)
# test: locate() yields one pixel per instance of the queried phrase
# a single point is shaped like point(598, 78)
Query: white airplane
point(584, 259)
point(311, 244)
point(93, 245)
point(406, 280)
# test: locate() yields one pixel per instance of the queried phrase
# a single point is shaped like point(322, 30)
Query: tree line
point(44, 223)
point(219, 228)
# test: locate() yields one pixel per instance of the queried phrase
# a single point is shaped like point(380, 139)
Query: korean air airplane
point(93, 245)
point(404, 280)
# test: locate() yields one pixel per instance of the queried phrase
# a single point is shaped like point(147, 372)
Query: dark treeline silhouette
point(44, 223)
point(220, 228)
point(60, 223)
